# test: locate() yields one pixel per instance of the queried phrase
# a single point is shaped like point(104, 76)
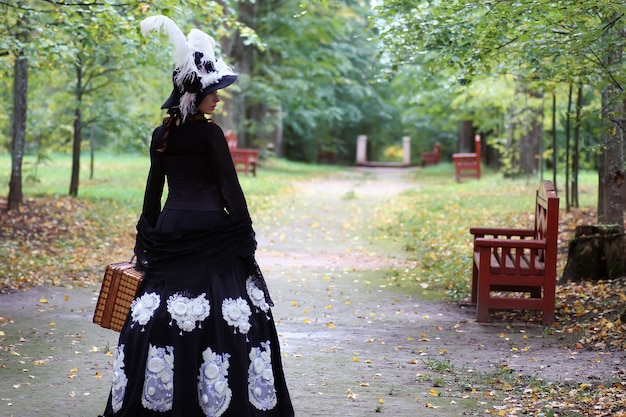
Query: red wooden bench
point(324, 154)
point(432, 158)
point(245, 160)
point(467, 165)
point(520, 263)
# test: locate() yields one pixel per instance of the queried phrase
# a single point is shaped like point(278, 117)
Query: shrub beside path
point(351, 347)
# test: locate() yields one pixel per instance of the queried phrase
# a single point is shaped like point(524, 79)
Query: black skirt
point(200, 340)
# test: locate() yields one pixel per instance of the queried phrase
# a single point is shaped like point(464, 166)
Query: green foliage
point(317, 68)
point(535, 40)
point(464, 60)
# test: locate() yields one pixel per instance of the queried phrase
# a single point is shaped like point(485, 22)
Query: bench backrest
point(547, 221)
point(477, 147)
point(231, 138)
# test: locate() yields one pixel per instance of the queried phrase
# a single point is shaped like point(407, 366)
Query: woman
point(200, 339)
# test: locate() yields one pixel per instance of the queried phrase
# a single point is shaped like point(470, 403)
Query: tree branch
point(605, 68)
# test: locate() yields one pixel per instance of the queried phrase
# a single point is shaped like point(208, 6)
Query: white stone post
point(406, 150)
point(361, 150)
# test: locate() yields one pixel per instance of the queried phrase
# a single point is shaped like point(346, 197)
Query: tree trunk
point(554, 154)
point(610, 200)
point(568, 123)
point(532, 134)
point(77, 134)
point(233, 115)
point(612, 160)
point(595, 253)
point(466, 137)
point(576, 149)
point(20, 108)
point(20, 111)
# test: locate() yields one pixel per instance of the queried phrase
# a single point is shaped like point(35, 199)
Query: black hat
point(198, 72)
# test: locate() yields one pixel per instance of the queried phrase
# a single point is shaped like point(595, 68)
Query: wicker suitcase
point(119, 286)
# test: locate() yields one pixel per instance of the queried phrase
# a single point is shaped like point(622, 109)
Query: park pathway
point(351, 347)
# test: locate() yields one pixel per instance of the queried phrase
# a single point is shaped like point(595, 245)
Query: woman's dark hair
point(173, 115)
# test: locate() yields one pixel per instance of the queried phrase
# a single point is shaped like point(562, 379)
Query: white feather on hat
point(177, 37)
point(197, 68)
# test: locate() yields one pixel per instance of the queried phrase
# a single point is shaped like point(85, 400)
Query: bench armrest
point(479, 232)
point(510, 243)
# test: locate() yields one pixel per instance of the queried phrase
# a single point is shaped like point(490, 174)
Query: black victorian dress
point(200, 339)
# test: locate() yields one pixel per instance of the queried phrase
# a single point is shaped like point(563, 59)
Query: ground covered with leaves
point(59, 241)
point(65, 242)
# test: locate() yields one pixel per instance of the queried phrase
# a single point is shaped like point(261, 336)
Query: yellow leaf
point(355, 359)
point(98, 375)
point(52, 324)
point(434, 392)
point(43, 301)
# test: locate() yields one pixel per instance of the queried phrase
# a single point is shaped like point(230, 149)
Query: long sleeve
point(155, 182)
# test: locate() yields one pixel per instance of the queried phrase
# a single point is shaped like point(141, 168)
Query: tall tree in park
point(537, 42)
point(97, 53)
point(19, 35)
